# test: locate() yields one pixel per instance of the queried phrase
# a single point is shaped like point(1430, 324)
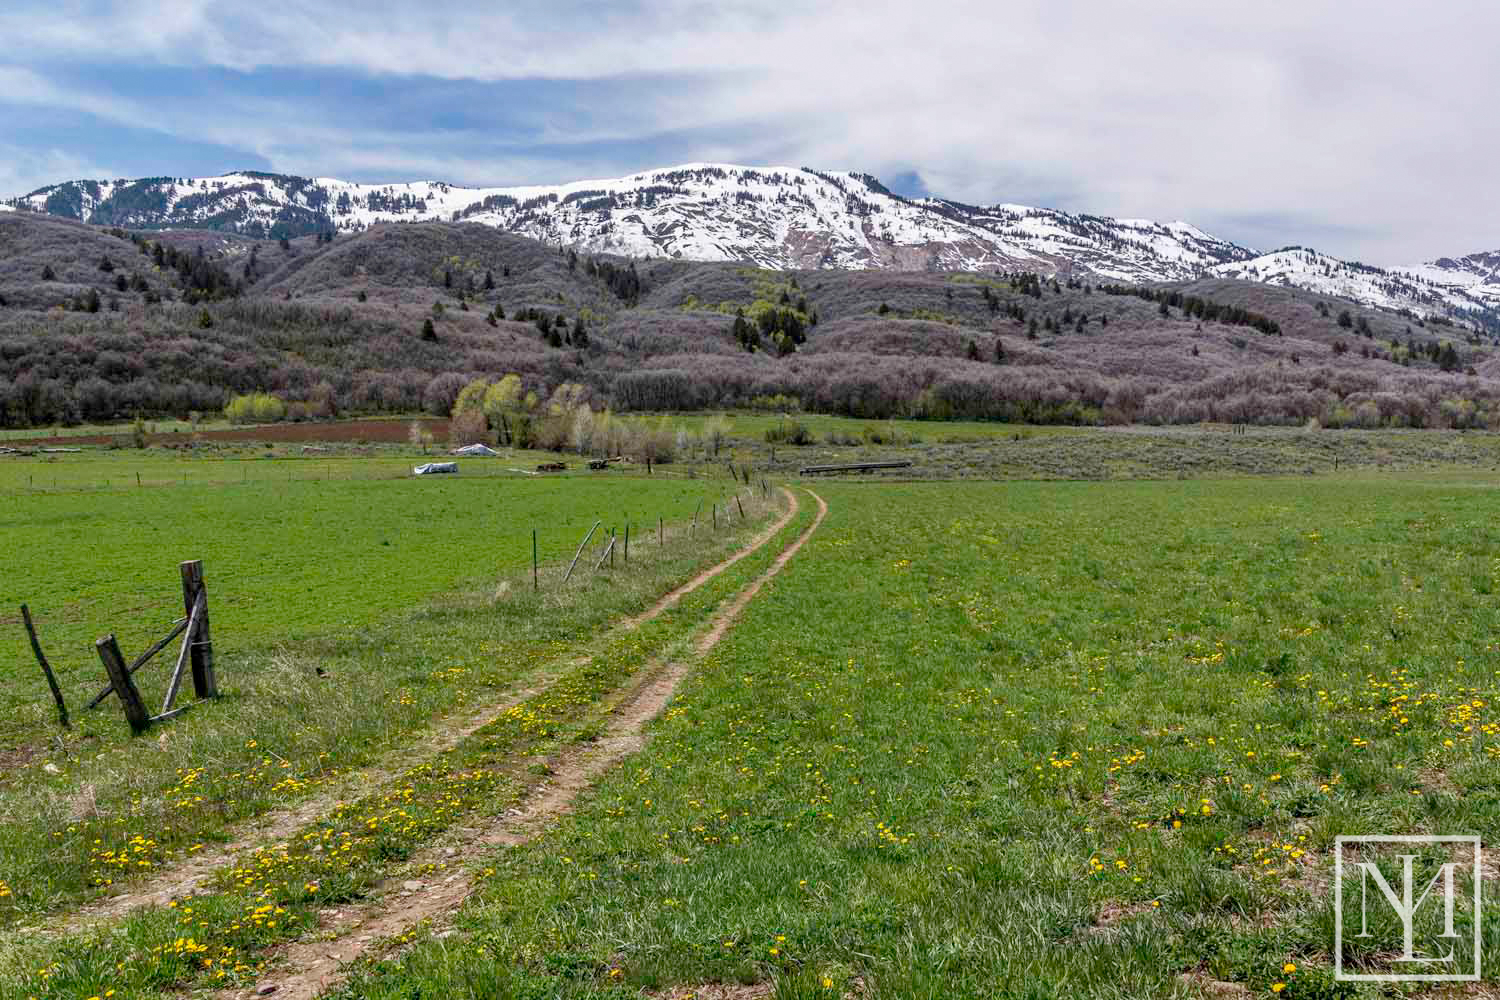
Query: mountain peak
point(777, 217)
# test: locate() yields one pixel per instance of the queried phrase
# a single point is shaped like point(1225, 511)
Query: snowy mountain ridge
point(773, 217)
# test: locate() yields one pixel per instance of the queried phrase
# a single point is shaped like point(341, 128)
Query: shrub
point(255, 408)
point(652, 444)
point(469, 427)
point(776, 403)
point(715, 434)
point(789, 432)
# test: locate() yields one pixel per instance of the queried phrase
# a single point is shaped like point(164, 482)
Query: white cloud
point(1371, 125)
point(24, 170)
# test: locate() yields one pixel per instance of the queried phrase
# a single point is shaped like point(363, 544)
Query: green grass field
point(980, 739)
point(1030, 740)
point(284, 560)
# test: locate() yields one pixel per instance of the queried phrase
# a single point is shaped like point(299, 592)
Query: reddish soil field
point(382, 431)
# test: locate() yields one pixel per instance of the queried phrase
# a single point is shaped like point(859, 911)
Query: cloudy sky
point(1366, 128)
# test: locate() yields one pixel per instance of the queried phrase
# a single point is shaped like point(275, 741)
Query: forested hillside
point(99, 324)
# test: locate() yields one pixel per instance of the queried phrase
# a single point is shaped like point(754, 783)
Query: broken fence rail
point(812, 470)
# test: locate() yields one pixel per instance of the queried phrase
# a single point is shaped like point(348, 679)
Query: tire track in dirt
point(671, 598)
point(273, 828)
point(350, 932)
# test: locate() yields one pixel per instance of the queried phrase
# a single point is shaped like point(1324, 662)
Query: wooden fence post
point(608, 553)
point(200, 607)
point(580, 550)
point(535, 585)
point(627, 543)
point(204, 683)
point(130, 698)
point(660, 539)
point(36, 647)
point(740, 506)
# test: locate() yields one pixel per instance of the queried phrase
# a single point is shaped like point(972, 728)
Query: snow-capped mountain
point(1427, 291)
point(1478, 274)
point(775, 217)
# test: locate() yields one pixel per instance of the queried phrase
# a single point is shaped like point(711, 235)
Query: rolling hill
point(100, 323)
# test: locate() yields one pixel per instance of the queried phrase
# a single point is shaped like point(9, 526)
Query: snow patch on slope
point(1299, 267)
point(776, 217)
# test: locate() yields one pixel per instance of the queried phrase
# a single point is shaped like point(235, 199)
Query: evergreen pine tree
point(47, 273)
point(429, 332)
point(489, 281)
point(972, 351)
point(1000, 357)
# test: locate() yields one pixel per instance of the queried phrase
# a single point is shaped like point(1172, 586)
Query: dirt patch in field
point(1211, 987)
point(314, 966)
point(14, 759)
point(716, 991)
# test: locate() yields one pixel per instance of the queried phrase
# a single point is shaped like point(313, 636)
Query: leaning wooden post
point(580, 550)
point(204, 684)
point(535, 585)
point(606, 554)
point(175, 684)
point(36, 647)
point(740, 506)
point(130, 698)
